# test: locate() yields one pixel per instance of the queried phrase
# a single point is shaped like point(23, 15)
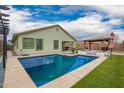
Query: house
point(41, 40)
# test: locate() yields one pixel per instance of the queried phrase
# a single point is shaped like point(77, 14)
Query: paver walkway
point(116, 53)
point(9, 54)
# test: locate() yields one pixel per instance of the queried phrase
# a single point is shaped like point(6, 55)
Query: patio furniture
point(91, 52)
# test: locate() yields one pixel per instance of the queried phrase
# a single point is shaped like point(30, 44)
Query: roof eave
point(17, 34)
point(96, 39)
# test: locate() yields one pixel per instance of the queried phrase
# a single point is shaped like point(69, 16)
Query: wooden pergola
point(96, 39)
point(4, 30)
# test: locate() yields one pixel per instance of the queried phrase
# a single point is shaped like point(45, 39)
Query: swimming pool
point(43, 69)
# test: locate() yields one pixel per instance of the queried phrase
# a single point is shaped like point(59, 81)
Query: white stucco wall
point(48, 36)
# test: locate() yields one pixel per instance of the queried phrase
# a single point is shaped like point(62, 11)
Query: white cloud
point(19, 21)
point(69, 9)
point(83, 27)
point(90, 26)
point(113, 11)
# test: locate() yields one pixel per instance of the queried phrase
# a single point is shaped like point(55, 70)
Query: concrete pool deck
point(17, 77)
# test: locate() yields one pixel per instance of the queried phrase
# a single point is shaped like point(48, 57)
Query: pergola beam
point(4, 30)
point(97, 40)
point(5, 19)
point(5, 15)
point(4, 26)
point(4, 7)
point(4, 23)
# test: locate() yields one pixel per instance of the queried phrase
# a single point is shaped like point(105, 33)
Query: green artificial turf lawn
point(109, 74)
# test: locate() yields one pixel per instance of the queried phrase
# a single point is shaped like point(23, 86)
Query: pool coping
point(23, 80)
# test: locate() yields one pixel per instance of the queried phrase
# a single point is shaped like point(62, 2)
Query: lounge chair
point(91, 52)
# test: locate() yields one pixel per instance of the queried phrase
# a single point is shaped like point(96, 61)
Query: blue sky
point(52, 13)
point(79, 21)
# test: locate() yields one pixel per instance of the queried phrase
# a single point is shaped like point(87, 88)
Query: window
point(28, 43)
point(56, 44)
point(39, 44)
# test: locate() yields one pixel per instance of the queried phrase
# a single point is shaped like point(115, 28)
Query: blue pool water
point(43, 69)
